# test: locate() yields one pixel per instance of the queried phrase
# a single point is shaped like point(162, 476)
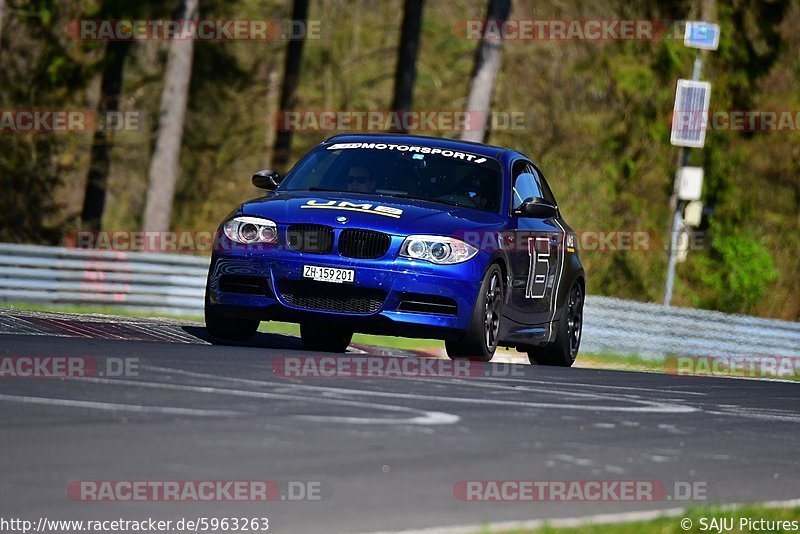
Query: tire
point(563, 351)
point(480, 341)
point(227, 328)
point(321, 339)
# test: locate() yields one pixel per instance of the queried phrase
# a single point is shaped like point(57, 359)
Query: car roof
point(422, 140)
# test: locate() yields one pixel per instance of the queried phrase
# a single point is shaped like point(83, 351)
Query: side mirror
point(267, 179)
point(537, 208)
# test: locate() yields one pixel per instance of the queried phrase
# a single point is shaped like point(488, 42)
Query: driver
point(480, 190)
point(360, 180)
point(485, 194)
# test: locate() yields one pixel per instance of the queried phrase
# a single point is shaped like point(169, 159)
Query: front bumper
point(391, 283)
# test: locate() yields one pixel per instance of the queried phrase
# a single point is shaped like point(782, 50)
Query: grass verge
point(743, 519)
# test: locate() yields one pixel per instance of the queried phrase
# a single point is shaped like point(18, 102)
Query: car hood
point(392, 215)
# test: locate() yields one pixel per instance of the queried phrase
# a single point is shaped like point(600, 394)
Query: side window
point(547, 194)
point(525, 183)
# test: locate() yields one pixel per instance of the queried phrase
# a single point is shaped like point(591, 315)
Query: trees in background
point(291, 80)
point(163, 174)
point(2, 19)
point(41, 69)
point(94, 198)
point(487, 63)
point(598, 124)
point(406, 70)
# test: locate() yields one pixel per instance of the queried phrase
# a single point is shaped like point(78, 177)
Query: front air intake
point(365, 244)
point(311, 238)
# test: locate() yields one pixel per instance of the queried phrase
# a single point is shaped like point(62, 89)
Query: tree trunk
point(291, 79)
point(273, 82)
point(2, 19)
point(406, 70)
point(94, 198)
point(487, 63)
point(163, 174)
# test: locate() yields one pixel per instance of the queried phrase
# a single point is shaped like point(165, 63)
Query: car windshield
point(409, 171)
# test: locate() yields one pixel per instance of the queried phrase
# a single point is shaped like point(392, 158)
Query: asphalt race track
point(386, 452)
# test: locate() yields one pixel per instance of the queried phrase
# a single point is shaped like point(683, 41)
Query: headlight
point(249, 230)
point(437, 249)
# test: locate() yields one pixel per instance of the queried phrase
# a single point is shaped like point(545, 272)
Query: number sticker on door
point(538, 268)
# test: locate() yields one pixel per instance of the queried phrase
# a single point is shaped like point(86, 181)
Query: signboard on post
point(702, 35)
point(690, 116)
point(689, 123)
point(690, 183)
point(693, 214)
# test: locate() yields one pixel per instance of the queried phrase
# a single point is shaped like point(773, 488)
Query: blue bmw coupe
point(403, 235)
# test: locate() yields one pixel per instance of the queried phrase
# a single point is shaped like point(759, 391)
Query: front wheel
point(321, 339)
point(480, 341)
point(563, 351)
point(227, 328)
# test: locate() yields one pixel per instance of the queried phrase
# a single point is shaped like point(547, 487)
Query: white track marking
point(489, 381)
point(583, 462)
point(650, 406)
point(599, 386)
point(561, 392)
point(617, 470)
point(671, 429)
point(115, 407)
point(429, 418)
point(425, 418)
point(646, 406)
point(526, 380)
point(755, 413)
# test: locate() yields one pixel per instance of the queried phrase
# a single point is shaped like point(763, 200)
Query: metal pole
point(677, 204)
point(673, 245)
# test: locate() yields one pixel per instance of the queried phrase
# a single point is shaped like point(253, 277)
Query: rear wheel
point(480, 341)
point(227, 328)
point(322, 339)
point(564, 349)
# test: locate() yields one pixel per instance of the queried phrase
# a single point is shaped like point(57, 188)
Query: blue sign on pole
point(704, 35)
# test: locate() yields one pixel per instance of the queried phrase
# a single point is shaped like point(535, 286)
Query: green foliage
point(598, 118)
point(737, 272)
point(742, 518)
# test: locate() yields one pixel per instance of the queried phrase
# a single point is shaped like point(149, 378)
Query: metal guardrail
point(175, 283)
point(167, 283)
point(628, 327)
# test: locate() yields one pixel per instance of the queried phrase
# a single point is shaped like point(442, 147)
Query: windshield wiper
point(342, 191)
point(440, 201)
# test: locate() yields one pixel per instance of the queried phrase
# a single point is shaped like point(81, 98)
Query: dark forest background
point(598, 117)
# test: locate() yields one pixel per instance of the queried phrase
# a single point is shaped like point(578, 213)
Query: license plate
point(329, 274)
